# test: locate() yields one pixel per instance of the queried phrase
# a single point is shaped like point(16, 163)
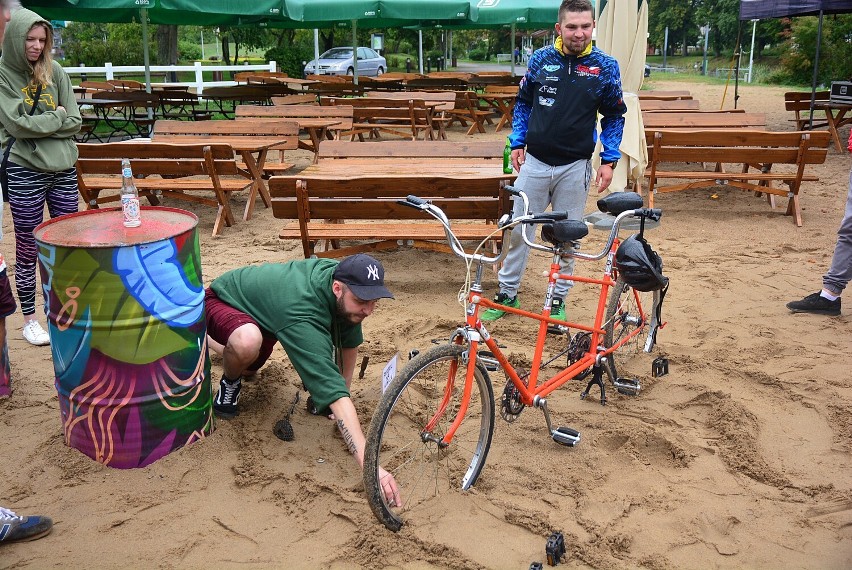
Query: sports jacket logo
point(551, 68)
point(587, 71)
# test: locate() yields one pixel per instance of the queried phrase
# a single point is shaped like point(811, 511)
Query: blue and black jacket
point(559, 100)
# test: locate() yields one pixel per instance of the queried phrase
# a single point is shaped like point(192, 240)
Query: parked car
point(338, 61)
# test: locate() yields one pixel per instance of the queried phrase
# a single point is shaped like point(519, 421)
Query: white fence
point(109, 71)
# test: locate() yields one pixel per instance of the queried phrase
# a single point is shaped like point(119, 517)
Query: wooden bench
point(343, 114)
point(373, 115)
point(664, 95)
point(468, 108)
point(800, 103)
point(441, 113)
point(306, 99)
point(668, 104)
point(340, 187)
point(756, 153)
point(702, 121)
point(178, 171)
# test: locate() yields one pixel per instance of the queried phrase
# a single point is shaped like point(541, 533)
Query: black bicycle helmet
point(639, 265)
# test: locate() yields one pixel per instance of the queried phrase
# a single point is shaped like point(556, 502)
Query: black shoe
point(816, 304)
point(225, 404)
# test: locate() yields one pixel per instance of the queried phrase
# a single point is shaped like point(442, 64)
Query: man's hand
point(604, 177)
point(519, 156)
point(390, 489)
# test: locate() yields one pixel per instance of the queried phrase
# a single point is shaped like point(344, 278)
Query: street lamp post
point(706, 31)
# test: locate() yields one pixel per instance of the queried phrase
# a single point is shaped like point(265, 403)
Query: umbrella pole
point(816, 73)
point(737, 65)
point(355, 52)
point(420, 49)
point(513, 50)
point(146, 58)
point(316, 51)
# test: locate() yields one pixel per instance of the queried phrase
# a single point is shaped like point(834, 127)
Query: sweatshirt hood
point(14, 51)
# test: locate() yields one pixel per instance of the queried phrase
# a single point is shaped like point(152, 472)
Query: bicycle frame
point(474, 333)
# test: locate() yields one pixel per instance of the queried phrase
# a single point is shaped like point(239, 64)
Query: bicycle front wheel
point(409, 424)
point(629, 311)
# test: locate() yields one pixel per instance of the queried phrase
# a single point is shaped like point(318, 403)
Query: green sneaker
point(557, 310)
point(502, 299)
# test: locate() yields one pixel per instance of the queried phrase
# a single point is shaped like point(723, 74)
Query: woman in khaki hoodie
point(41, 162)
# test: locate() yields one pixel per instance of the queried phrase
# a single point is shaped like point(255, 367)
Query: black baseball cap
point(364, 275)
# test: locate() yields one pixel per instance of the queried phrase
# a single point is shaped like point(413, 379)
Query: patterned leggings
point(28, 191)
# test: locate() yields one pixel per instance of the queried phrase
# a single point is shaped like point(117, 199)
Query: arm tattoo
point(347, 437)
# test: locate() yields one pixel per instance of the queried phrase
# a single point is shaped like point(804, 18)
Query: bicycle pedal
point(660, 367)
point(555, 548)
point(565, 436)
point(627, 386)
point(557, 329)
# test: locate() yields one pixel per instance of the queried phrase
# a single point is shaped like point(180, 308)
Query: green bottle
point(507, 158)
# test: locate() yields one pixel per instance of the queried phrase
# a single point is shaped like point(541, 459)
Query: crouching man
point(314, 308)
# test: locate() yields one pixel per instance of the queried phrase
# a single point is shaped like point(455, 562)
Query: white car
point(338, 61)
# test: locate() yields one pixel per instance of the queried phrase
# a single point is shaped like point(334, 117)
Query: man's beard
point(343, 315)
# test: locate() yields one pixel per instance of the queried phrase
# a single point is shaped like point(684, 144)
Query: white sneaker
point(34, 334)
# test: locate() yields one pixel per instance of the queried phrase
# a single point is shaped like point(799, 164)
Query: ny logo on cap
point(373, 272)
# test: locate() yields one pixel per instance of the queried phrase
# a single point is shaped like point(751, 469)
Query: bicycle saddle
point(564, 231)
point(619, 202)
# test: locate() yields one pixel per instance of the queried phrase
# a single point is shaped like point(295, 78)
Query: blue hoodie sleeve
point(524, 104)
point(612, 112)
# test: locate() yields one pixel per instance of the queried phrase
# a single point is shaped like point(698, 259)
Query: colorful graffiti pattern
point(129, 346)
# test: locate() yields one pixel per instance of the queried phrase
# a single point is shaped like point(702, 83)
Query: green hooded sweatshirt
point(45, 140)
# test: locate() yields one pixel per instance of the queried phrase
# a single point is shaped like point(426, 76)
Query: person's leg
point(535, 179)
point(27, 195)
point(7, 307)
point(570, 190)
point(63, 196)
point(246, 347)
point(840, 271)
point(827, 301)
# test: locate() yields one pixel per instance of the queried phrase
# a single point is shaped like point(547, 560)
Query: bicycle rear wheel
point(628, 310)
point(427, 392)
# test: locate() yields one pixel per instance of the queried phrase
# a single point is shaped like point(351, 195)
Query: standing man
point(827, 301)
point(553, 137)
point(13, 527)
point(314, 308)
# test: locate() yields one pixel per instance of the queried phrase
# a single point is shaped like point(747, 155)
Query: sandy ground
point(739, 458)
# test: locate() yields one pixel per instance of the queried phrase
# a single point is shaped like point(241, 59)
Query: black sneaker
point(225, 404)
point(816, 304)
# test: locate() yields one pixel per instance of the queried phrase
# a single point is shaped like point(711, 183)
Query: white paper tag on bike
point(389, 372)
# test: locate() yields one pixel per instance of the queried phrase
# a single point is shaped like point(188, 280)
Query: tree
point(96, 43)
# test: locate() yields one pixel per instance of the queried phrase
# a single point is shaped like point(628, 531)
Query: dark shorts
point(223, 320)
point(7, 301)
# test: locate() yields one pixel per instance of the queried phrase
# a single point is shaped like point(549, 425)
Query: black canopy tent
point(759, 9)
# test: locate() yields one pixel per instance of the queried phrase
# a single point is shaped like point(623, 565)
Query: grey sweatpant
point(565, 188)
point(840, 272)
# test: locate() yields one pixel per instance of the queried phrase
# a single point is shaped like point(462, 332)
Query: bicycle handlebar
point(507, 223)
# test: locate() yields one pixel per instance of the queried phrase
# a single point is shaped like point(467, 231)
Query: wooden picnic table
point(355, 182)
point(247, 147)
point(836, 116)
point(103, 114)
point(503, 103)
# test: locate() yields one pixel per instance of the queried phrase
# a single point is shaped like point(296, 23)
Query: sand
point(738, 458)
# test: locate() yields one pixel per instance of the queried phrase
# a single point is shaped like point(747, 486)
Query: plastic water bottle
point(129, 197)
point(507, 158)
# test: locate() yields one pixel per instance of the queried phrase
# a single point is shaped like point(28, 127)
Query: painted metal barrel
point(125, 311)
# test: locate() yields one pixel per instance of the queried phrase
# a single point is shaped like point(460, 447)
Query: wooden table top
point(252, 143)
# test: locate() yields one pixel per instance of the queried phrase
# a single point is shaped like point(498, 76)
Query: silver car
point(338, 61)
